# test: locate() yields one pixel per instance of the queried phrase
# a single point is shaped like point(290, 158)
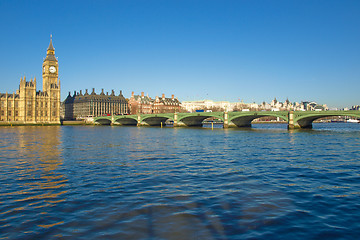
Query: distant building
point(84, 105)
point(192, 106)
point(355, 107)
point(29, 106)
point(312, 106)
point(280, 106)
point(141, 104)
point(221, 106)
point(274, 105)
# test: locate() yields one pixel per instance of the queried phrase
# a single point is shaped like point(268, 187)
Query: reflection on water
point(30, 158)
point(85, 182)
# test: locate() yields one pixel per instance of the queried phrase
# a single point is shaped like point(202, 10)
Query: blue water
point(87, 182)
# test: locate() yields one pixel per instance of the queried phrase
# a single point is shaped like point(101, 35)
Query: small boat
point(352, 121)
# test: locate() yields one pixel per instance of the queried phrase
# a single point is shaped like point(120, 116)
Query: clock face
point(52, 69)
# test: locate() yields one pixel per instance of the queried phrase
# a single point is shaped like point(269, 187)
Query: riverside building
point(28, 106)
point(141, 104)
point(85, 105)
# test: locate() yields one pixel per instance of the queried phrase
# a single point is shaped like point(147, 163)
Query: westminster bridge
point(294, 119)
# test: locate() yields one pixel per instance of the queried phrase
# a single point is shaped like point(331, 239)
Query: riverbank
point(67, 123)
point(12, 124)
point(75, 122)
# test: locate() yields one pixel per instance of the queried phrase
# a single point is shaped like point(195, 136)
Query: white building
point(192, 106)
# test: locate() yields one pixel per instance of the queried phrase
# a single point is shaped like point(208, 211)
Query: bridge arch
point(102, 121)
point(242, 119)
point(154, 120)
point(196, 119)
point(126, 121)
point(305, 120)
point(193, 121)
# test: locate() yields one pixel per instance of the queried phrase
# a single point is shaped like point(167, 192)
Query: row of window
point(9, 113)
point(29, 103)
point(10, 104)
point(29, 113)
point(41, 113)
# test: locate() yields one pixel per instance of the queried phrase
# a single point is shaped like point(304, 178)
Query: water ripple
point(150, 183)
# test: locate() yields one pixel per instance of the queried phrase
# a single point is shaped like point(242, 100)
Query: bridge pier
point(291, 124)
point(175, 124)
point(295, 125)
point(138, 120)
point(291, 120)
point(226, 120)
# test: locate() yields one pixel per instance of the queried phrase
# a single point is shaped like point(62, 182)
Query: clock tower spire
point(50, 68)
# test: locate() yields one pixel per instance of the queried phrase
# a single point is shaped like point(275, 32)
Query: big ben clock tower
point(50, 68)
point(51, 84)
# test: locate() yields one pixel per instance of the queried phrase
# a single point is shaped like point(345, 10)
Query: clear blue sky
point(196, 49)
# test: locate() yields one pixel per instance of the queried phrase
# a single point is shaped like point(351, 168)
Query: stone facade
point(141, 104)
point(85, 105)
point(28, 106)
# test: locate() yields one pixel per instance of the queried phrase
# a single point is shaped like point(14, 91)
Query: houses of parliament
point(29, 106)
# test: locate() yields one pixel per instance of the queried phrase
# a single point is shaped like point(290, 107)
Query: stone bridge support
point(226, 120)
point(291, 120)
point(292, 124)
point(175, 124)
point(138, 120)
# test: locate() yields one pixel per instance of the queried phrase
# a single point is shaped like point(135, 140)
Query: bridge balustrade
point(294, 119)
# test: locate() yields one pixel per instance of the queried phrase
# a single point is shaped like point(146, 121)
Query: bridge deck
point(296, 119)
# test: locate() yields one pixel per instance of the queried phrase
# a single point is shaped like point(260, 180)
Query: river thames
point(103, 182)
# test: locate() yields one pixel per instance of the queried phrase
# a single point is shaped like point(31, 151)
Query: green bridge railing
point(294, 119)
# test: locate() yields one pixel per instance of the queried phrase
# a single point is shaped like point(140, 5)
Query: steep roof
point(50, 52)
point(51, 47)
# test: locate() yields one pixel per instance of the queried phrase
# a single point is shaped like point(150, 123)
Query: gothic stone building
point(92, 105)
point(146, 105)
point(28, 106)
